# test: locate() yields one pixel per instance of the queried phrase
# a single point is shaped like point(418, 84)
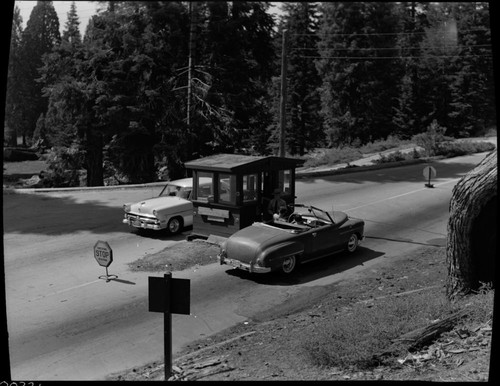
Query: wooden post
point(284, 54)
point(170, 296)
point(167, 327)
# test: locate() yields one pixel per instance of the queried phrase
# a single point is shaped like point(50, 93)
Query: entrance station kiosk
point(232, 191)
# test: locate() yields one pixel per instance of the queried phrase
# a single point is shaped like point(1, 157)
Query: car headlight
point(126, 207)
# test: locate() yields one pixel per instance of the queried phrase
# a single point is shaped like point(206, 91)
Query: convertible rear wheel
point(353, 242)
point(174, 225)
point(289, 264)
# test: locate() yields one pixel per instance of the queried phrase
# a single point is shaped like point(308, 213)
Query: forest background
point(153, 84)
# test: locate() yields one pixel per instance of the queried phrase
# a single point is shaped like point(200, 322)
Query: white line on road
point(66, 290)
point(400, 195)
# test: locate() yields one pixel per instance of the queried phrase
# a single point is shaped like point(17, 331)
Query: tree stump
point(471, 239)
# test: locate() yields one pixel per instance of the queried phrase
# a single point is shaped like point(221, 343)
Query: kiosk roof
point(238, 163)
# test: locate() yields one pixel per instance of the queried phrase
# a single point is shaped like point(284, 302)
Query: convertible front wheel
point(353, 242)
point(289, 264)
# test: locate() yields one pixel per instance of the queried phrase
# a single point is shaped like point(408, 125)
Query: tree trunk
point(471, 240)
point(94, 158)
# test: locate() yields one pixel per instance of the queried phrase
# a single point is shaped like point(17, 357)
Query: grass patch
point(354, 338)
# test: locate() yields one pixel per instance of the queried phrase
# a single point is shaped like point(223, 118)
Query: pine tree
point(39, 37)
point(407, 111)
point(359, 90)
point(305, 128)
point(472, 84)
point(236, 51)
point(13, 98)
point(71, 33)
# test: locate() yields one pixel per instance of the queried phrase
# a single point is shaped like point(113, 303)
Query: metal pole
point(167, 327)
point(192, 42)
point(284, 54)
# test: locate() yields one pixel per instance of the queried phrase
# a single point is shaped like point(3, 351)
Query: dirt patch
point(180, 256)
point(273, 346)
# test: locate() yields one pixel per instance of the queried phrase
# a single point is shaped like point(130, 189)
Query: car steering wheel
point(292, 217)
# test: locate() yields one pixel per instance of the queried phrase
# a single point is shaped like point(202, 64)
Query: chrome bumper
point(138, 222)
point(244, 266)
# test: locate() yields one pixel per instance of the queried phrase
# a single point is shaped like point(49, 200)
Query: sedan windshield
point(176, 190)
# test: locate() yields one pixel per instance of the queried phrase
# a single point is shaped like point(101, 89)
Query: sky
point(84, 10)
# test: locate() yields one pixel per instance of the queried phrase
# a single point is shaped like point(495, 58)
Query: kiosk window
point(227, 188)
point(249, 187)
point(203, 185)
point(285, 181)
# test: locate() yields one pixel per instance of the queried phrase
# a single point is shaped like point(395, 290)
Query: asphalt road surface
point(65, 323)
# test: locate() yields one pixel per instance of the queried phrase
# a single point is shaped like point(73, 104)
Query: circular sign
point(103, 253)
point(429, 172)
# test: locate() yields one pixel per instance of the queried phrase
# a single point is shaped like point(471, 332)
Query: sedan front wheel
point(174, 225)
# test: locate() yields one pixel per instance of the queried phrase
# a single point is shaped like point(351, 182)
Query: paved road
point(67, 324)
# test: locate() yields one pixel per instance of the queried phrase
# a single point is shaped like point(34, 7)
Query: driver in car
point(298, 219)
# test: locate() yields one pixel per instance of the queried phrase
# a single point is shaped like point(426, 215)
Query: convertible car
point(281, 245)
point(171, 210)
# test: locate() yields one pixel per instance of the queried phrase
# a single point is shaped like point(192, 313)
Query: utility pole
point(284, 54)
point(192, 46)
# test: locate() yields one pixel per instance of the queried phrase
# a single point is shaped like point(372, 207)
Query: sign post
point(104, 257)
point(429, 172)
point(169, 296)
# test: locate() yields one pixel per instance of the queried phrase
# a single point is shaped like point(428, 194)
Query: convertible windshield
point(320, 214)
point(176, 190)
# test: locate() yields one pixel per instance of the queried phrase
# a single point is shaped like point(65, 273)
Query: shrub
point(64, 167)
point(455, 149)
point(391, 142)
point(431, 138)
point(397, 156)
point(335, 156)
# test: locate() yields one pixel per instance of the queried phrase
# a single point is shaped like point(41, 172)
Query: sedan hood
point(146, 207)
point(245, 244)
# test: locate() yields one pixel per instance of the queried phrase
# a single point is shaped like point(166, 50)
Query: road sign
point(177, 291)
point(429, 172)
point(103, 253)
point(169, 296)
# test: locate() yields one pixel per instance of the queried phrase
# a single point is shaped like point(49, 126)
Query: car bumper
point(244, 266)
point(141, 223)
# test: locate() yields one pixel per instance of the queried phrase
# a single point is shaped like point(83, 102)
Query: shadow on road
point(41, 214)
point(314, 270)
point(46, 215)
point(161, 234)
point(436, 242)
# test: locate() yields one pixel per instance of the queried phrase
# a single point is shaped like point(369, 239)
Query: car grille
point(138, 219)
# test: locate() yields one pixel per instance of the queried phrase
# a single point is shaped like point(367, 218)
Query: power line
point(379, 33)
point(394, 48)
point(392, 57)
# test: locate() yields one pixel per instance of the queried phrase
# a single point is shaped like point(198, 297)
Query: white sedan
point(171, 210)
